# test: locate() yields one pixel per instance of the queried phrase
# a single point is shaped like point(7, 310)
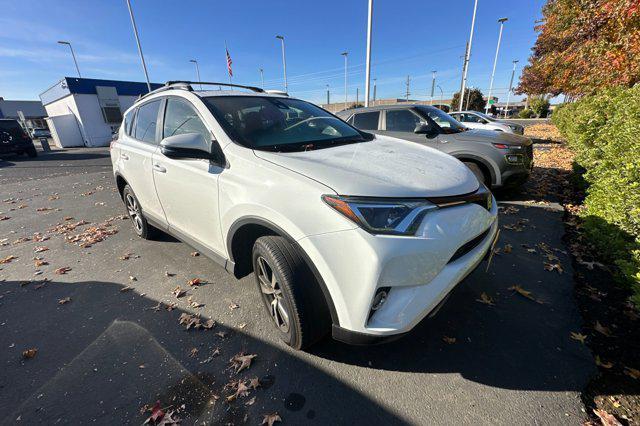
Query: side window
point(180, 118)
point(457, 117)
point(472, 118)
point(128, 119)
point(366, 120)
point(146, 122)
point(402, 120)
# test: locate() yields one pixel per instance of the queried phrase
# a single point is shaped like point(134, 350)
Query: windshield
point(447, 123)
point(280, 124)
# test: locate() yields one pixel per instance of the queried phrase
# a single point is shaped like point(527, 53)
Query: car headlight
point(381, 216)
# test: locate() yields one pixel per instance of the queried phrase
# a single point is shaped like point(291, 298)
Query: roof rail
point(209, 83)
point(188, 85)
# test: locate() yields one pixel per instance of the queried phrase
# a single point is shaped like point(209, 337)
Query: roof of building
point(30, 109)
point(75, 85)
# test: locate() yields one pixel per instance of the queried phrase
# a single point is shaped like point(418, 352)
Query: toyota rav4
point(360, 234)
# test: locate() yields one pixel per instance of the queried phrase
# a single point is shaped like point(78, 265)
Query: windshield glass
point(485, 116)
point(280, 124)
point(447, 123)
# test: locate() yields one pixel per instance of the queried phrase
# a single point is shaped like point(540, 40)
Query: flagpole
point(226, 58)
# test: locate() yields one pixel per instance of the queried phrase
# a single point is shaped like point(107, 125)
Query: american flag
point(229, 62)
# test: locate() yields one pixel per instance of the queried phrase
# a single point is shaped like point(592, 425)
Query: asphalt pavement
point(112, 347)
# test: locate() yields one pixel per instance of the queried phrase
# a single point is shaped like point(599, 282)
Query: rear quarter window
point(366, 120)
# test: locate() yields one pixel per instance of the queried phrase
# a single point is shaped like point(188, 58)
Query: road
point(111, 348)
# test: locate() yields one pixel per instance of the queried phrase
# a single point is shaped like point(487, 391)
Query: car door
point(401, 123)
point(188, 188)
point(139, 142)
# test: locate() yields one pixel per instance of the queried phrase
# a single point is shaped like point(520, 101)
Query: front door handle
point(124, 156)
point(159, 168)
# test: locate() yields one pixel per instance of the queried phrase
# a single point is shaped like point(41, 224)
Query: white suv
point(344, 230)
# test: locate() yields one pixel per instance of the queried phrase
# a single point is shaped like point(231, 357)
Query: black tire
point(295, 289)
point(477, 171)
point(31, 152)
point(134, 211)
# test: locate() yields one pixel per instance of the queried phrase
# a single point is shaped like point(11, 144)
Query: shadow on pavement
point(107, 353)
point(13, 160)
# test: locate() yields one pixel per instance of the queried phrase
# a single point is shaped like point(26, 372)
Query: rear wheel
point(134, 211)
point(290, 292)
point(477, 171)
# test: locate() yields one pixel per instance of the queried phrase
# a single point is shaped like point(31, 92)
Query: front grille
point(467, 247)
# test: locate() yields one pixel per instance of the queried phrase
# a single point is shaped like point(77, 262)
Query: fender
point(255, 220)
point(493, 171)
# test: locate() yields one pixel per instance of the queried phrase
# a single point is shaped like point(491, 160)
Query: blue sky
point(411, 37)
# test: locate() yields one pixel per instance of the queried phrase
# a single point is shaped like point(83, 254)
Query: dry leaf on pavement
point(270, 419)
point(632, 372)
point(449, 340)
point(194, 282)
point(484, 298)
point(64, 301)
point(524, 293)
point(507, 248)
point(62, 271)
point(553, 267)
point(579, 337)
point(195, 254)
point(603, 364)
point(29, 353)
point(606, 418)
point(8, 259)
point(179, 292)
point(241, 362)
point(602, 329)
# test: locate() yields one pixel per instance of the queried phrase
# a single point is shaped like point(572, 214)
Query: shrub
point(540, 106)
point(603, 131)
point(525, 113)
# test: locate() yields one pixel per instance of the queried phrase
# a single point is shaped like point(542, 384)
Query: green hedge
point(604, 132)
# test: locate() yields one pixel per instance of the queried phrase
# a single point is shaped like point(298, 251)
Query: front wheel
point(134, 211)
point(477, 171)
point(290, 292)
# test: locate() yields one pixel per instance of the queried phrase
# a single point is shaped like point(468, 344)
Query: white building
point(85, 111)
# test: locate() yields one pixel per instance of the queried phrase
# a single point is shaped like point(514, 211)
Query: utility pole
point(408, 86)
point(513, 73)
point(328, 96)
point(368, 67)
point(374, 92)
point(262, 77)
point(468, 96)
point(441, 95)
point(197, 70)
point(284, 63)
point(467, 55)
point(357, 95)
point(73, 55)
point(495, 61)
point(433, 85)
point(346, 63)
point(135, 33)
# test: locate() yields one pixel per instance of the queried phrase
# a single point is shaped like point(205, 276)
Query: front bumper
point(417, 272)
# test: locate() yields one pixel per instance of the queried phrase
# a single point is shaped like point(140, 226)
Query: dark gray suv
point(498, 159)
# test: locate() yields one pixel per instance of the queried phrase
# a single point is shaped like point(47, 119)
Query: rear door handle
point(124, 156)
point(159, 168)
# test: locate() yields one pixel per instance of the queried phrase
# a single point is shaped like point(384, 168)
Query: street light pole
point(197, 70)
point(441, 96)
point(72, 54)
point(135, 33)
point(495, 61)
point(284, 63)
point(513, 73)
point(467, 55)
point(262, 77)
point(368, 70)
point(328, 97)
point(346, 62)
point(433, 85)
point(374, 92)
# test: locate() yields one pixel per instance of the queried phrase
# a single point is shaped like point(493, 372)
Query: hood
point(383, 167)
point(491, 136)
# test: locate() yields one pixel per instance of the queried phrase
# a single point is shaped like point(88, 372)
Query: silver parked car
point(498, 159)
point(478, 120)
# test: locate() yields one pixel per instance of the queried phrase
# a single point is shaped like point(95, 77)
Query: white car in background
point(478, 120)
point(358, 234)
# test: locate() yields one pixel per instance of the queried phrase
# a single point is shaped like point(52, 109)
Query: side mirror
point(191, 145)
point(425, 129)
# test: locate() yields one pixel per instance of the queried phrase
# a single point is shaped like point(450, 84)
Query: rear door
point(139, 142)
point(188, 188)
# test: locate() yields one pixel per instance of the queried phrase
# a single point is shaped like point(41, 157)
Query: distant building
point(33, 112)
point(86, 111)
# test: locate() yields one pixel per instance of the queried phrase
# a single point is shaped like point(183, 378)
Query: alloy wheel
point(272, 293)
point(133, 208)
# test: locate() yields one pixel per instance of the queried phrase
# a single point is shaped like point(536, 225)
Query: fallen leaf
point(507, 248)
point(270, 419)
point(250, 402)
point(606, 418)
point(132, 278)
point(4, 218)
point(193, 303)
point(156, 415)
point(241, 391)
point(193, 353)
point(579, 337)
point(169, 274)
point(179, 292)
point(194, 282)
point(233, 306)
point(602, 329)
point(62, 271)
point(525, 293)
point(484, 298)
point(29, 353)
point(603, 364)
point(553, 267)
point(64, 301)
point(40, 249)
point(241, 362)
point(632, 372)
point(39, 262)
point(195, 254)
point(194, 321)
point(449, 340)
point(8, 259)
